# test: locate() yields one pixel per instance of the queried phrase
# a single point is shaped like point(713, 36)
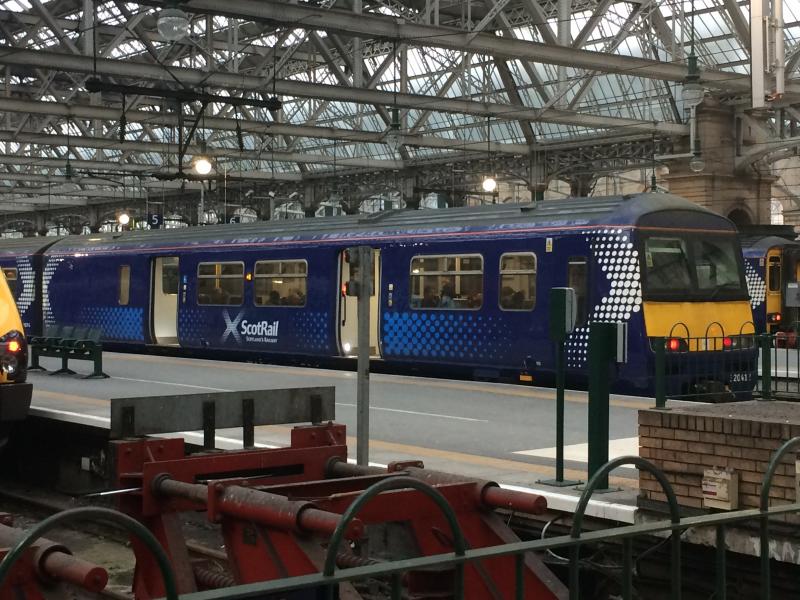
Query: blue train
point(772, 268)
point(463, 291)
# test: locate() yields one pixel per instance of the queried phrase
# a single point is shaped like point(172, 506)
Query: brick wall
point(743, 436)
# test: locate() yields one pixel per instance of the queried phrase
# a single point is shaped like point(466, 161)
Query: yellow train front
point(772, 263)
point(696, 306)
point(15, 393)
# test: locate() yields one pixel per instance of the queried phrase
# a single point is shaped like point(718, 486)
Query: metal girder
point(373, 25)
point(42, 107)
point(173, 149)
point(534, 9)
point(130, 168)
point(53, 26)
point(763, 150)
point(611, 46)
point(591, 24)
point(191, 77)
point(740, 25)
point(513, 94)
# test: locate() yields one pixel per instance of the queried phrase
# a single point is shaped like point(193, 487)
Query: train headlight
point(9, 364)
point(774, 317)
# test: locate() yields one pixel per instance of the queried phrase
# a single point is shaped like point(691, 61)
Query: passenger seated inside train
point(429, 298)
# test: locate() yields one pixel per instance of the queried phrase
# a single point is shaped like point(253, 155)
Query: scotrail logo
point(264, 332)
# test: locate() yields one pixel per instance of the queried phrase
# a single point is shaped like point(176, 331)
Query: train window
point(774, 273)
point(453, 282)
point(578, 280)
point(124, 285)
point(169, 275)
point(220, 283)
point(518, 281)
point(667, 264)
point(280, 283)
point(11, 278)
point(716, 266)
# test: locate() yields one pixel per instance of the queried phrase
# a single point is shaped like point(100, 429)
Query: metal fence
point(726, 368)
point(325, 584)
point(709, 368)
point(779, 367)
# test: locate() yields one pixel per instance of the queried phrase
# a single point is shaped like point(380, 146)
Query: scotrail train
point(772, 267)
point(464, 291)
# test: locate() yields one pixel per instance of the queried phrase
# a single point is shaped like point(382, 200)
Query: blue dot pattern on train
point(444, 335)
point(117, 322)
point(311, 329)
point(190, 322)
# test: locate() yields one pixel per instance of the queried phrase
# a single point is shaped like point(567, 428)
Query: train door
point(165, 300)
point(774, 285)
point(578, 280)
point(348, 310)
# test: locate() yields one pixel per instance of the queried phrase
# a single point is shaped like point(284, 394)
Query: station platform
point(500, 432)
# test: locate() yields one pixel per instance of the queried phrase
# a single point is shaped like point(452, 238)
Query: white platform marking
point(414, 412)
point(580, 452)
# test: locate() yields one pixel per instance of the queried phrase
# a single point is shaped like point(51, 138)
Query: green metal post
point(766, 367)
point(602, 347)
point(519, 575)
point(721, 592)
point(560, 307)
point(661, 372)
point(627, 569)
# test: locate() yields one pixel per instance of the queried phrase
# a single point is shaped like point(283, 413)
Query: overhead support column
point(743, 194)
point(565, 40)
point(767, 54)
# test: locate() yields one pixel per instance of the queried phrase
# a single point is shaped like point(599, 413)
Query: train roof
point(570, 212)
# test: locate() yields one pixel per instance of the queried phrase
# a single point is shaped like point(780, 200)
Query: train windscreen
point(679, 266)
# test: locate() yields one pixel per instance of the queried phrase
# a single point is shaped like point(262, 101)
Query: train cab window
point(280, 283)
point(11, 278)
point(518, 281)
point(124, 285)
point(716, 266)
point(774, 273)
point(578, 280)
point(220, 283)
point(667, 264)
point(452, 282)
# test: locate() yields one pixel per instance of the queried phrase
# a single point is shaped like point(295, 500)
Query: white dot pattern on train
point(756, 287)
point(28, 282)
point(614, 252)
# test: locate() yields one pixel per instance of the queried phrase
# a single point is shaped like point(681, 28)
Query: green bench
point(68, 342)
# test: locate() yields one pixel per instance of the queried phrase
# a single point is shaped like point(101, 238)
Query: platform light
point(202, 166)
point(124, 219)
point(489, 184)
point(173, 23)
point(697, 164)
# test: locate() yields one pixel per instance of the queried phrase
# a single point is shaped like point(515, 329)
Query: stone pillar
point(743, 197)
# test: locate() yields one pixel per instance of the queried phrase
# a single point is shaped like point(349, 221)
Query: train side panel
point(84, 290)
point(244, 326)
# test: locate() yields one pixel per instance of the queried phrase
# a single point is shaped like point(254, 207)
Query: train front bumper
point(15, 401)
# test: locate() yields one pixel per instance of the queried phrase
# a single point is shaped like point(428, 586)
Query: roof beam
point(190, 78)
point(42, 107)
point(217, 152)
point(373, 25)
point(130, 168)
